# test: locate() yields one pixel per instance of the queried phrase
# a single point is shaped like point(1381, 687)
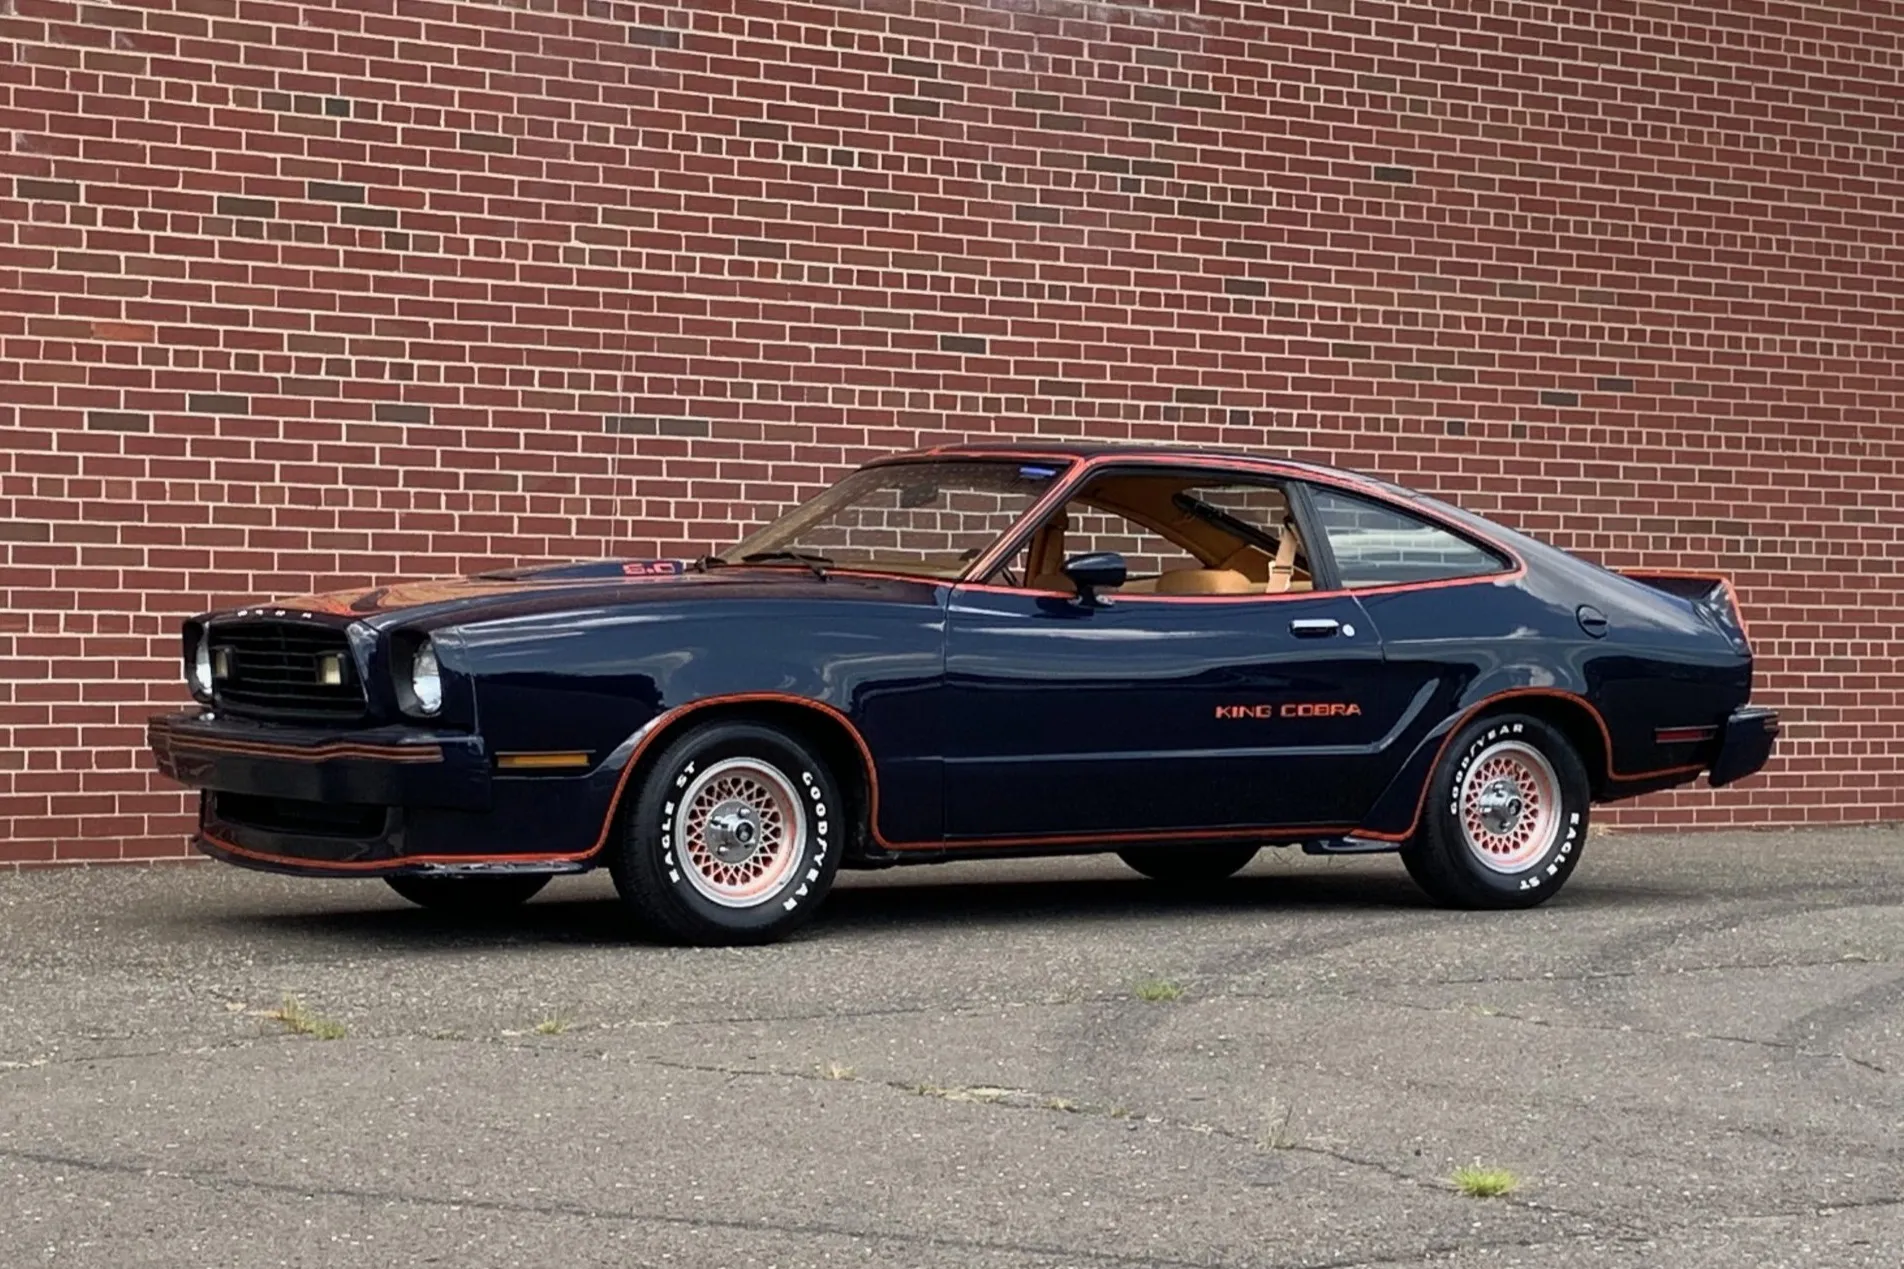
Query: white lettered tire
point(1506, 816)
point(734, 837)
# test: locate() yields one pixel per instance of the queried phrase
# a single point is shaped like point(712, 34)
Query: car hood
point(594, 585)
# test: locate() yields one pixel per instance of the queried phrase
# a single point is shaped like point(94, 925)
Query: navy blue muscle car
point(972, 652)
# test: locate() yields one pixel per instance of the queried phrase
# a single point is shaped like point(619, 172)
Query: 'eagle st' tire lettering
point(729, 839)
point(1506, 816)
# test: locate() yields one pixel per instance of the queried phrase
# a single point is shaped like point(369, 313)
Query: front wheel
point(1506, 816)
point(734, 838)
point(469, 896)
point(1188, 865)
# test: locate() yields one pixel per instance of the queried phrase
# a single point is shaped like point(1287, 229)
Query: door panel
point(1154, 716)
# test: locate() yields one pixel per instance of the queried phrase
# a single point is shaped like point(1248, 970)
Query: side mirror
point(1100, 570)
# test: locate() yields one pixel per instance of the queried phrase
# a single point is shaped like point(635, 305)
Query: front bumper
point(378, 801)
point(384, 766)
point(1745, 745)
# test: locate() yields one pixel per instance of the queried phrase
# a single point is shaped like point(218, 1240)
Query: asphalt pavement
point(1693, 1057)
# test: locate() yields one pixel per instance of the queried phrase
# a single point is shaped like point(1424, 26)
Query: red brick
point(1613, 302)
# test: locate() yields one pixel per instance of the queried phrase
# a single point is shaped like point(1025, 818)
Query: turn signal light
point(540, 761)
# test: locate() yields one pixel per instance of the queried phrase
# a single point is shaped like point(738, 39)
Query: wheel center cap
point(733, 832)
point(1501, 805)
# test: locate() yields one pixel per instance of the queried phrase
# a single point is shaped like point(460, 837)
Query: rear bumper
point(1745, 745)
point(376, 802)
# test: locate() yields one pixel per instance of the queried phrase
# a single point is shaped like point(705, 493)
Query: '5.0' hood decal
point(503, 582)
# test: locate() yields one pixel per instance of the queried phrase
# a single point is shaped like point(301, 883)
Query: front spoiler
point(376, 801)
point(309, 866)
point(1744, 746)
point(384, 766)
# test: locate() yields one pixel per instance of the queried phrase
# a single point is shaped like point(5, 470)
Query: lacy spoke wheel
point(1504, 817)
point(735, 836)
point(1510, 806)
point(739, 832)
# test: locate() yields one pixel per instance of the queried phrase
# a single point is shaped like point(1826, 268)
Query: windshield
point(928, 518)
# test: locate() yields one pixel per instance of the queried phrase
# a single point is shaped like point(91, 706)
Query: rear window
point(1378, 545)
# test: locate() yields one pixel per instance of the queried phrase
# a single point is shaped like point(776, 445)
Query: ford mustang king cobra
point(972, 652)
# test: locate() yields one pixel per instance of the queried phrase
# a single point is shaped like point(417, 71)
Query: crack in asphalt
point(812, 1229)
point(1438, 1250)
point(1593, 975)
point(962, 1010)
point(41, 1061)
point(1607, 977)
point(1028, 1100)
point(1006, 1098)
point(1826, 1209)
point(129, 1055)
point(1841, 1016)
point(1781, 1046)
point(1884, 994)
point(363, 1194)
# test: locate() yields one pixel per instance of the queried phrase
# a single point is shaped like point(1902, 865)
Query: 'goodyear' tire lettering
point(1447, 864)
point(703, 899)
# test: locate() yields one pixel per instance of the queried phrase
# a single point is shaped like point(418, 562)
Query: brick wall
point(295, 295)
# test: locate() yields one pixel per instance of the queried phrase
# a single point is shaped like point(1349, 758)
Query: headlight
point(201, 675)
point(426, 679)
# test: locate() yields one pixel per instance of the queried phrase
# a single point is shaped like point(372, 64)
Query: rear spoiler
point(1710, 593)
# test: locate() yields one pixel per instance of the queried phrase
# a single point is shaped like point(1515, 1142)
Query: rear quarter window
point(1379, 545)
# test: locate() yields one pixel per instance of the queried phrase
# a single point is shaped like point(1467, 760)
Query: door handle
point(1314, 627)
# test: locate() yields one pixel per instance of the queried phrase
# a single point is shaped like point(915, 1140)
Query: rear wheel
point(1506, 816)
point(469, 896)
point(734, 837)
point(1188, 865)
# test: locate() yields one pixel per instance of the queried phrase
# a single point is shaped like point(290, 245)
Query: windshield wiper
point(817, 563)
point(707, 562)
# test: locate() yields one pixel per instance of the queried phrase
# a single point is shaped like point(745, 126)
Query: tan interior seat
point(1204, 581)
point(1248, 571)
point(1270, 576)
point(1044, 557)
point(1283, 571)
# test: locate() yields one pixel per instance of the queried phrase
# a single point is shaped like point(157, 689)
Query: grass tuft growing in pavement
point(295, 1018)
point(1476, 1181)
point(1281, 1136)
point(1158, 990)
point(552, 1026)
point(836, 1071)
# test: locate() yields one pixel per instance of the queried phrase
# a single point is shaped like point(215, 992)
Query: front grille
point(306, 819)
point(274, 669)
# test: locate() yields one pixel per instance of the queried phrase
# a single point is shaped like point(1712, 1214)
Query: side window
point(1078, 528)
point(1179, 533)
point(1145, 553)
point(1378, 545)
